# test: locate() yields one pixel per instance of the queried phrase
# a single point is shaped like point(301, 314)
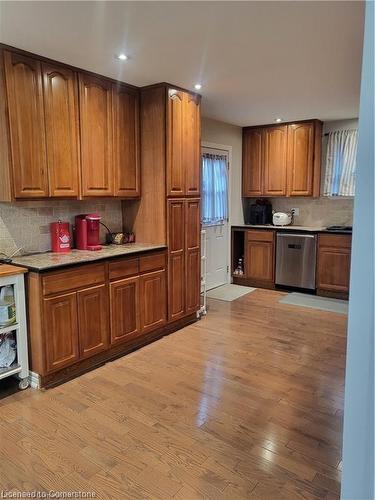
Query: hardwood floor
point(246, 403)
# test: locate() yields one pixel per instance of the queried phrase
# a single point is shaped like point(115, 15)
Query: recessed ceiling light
point(121, 57)
point(278, 120)
point(197, 86)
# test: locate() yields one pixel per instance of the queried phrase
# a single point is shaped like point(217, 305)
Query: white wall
point(358, 471)
point(228, 135)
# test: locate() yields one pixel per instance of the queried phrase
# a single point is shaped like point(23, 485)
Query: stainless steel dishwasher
point(296, 260)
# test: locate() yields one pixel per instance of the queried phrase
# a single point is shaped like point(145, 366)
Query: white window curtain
point(214, 189)
point(341, 163)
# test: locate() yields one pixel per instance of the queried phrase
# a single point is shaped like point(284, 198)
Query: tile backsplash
point(25, 224)
point(321, 211)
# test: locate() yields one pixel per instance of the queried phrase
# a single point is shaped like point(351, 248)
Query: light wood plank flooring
point(246, 403)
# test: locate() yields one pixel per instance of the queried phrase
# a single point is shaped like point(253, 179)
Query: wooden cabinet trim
point(73, 279)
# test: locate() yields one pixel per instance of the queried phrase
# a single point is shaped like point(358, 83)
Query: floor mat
point(323, 303)
point(229, 292)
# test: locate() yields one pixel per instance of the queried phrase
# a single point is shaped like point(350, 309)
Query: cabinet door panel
point(252, 162)
point(191, 144)
point(175, 169)
point(126, 165)
point(93, 320)
point(192, 224)
point(61, 331)
point(27, 127)
point(125, 314)
point(333, 269)
point(259, 260)
point(61, 115)
point(96, 135)
point(153, 301)
point(176, 259)
point(275, 149)
point(193, 280)
point(300, 159)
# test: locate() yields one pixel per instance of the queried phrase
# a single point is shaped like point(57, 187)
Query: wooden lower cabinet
point(260, 257)
point(92, 320)
point(193, 261)
point(125, 309)
point(61, 322)
point(153, 300)
point(333, 265)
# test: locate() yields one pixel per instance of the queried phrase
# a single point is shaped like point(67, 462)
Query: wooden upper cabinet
point(252, 162)
point(300, 159)
point(27, 127)
point(175, 169)
point(191, 151)
point(61, 117)
point(275, 160)
point(96, 135)
point(126, 163)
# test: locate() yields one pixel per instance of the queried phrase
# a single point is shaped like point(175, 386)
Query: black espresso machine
point(258, 213)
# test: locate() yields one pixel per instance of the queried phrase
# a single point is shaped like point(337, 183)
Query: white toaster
point(282, 219)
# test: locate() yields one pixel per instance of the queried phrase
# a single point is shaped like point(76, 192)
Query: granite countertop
point(312, 229)
point(49, 260)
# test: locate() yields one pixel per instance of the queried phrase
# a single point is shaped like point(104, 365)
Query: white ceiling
point(256, 60)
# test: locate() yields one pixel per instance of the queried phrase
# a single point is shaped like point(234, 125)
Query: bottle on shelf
point(7, 306)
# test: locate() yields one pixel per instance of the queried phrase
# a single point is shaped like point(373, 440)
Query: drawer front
point(152, 262)
point(123, 268)
point(335, 240)
point(260, 235)
point(72, 279)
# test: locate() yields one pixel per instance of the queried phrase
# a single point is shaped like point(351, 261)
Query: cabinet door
point(61, 331)
point(153, 301)
point(191, 144)
point(175, 165)
point(252, 162)
point(333, 270)
point(260, 256)
point(93, 320)
point(300, 159)
point(275, 149)
point(61, 115)
point(27, 127)
point(126, 167)
point(193, 257)
point(176, 259)
point(125, 313)
point(96, 135)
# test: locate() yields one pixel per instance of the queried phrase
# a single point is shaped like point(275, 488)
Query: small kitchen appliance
point(87, 232)
point(259, 212)
point(282, 219)
point(60, 236)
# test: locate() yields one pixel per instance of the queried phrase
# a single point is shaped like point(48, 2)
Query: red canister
point(60, 236)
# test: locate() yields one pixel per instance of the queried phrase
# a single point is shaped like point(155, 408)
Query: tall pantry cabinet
point(169, 210)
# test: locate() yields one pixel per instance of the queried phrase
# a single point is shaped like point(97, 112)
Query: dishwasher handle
point(286, 235)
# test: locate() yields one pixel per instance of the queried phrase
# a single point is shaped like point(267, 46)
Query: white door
point(215, 217)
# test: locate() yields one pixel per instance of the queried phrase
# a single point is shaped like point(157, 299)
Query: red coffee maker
point(87, 232)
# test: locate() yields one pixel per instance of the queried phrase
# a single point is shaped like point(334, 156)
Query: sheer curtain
point(214, 188)
point(341, 163)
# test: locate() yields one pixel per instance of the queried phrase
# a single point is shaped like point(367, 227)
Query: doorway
point(215, 212)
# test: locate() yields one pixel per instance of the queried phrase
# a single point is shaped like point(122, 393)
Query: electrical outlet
point(295, 211)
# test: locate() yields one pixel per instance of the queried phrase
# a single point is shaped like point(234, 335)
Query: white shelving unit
point(203, 309)
point(21, 366)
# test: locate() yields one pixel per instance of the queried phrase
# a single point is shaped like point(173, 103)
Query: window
point(341, 163)
point(214, 188)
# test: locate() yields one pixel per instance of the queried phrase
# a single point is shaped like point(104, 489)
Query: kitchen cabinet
point(282, 160)
point(95, 95)
point(183, 257)
point(92, 320)
point(183, 143)
point(333, 265)
point(61, 120)
point(126, 162)
point(260, 257)
point(125, 309)
point(153, 300)
point(24, 92)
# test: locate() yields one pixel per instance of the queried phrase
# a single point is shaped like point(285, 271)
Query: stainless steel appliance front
point(296, 260)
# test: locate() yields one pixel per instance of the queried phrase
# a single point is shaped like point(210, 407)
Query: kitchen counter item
point(48, 260)
point(282, 219)
point(60, 236)
point(296, 260)
point(340, 229)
